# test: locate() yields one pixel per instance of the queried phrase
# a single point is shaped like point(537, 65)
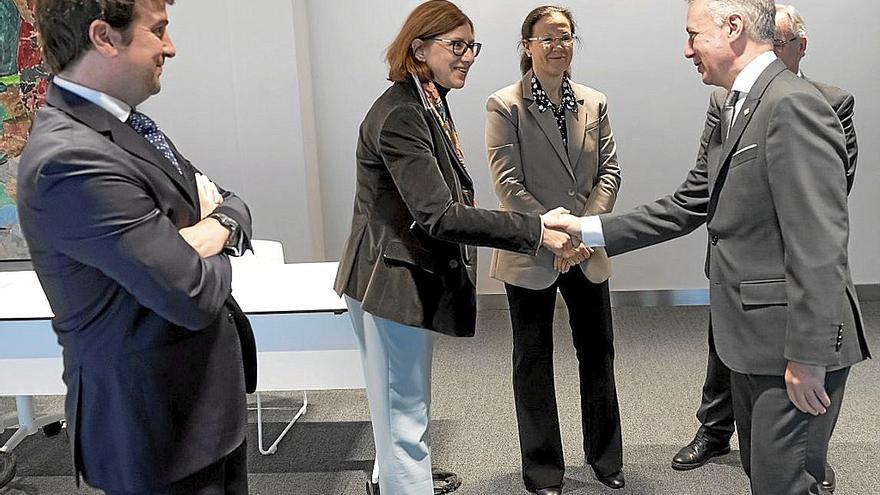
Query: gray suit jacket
point(841, 101)
point(778, 226)
point(533, 172)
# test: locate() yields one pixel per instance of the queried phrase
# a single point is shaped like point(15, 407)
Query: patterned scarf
point(435, 105)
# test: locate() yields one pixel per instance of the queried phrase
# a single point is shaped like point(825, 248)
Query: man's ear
point(418, 49)
point(803, 46)
point(735, 25)
point(105, 40)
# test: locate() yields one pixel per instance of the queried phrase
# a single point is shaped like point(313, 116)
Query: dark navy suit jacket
point(153, 342)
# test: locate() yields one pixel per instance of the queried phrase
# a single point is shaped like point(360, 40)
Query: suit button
point(230, 318)
point(453, 264)
point(714, 240)
point(571, 192)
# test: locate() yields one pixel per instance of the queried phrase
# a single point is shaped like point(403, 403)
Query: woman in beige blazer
point(550, 144)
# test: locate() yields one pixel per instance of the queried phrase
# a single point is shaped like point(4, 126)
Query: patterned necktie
point(727, 112)
point(145, 126)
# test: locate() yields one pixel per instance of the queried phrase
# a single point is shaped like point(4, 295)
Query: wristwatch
point(231, 246)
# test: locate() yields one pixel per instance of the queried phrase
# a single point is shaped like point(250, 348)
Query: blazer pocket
point(744, 155)
point(763, 292)
point(396, 252)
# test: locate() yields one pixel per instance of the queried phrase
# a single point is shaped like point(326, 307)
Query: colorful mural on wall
point(23, 83)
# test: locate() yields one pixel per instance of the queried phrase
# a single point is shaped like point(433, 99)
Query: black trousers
point(531, 314)
point(228, 476)
point(782, 449)
point(716, 409)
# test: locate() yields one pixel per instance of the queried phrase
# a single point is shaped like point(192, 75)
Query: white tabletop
point(289, 288)
point(258, 288)
point(22, 297)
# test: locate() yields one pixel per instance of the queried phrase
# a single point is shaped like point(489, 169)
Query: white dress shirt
point(115, 106)
point(591, 227)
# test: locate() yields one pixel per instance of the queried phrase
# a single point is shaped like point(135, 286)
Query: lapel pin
point(746, 111)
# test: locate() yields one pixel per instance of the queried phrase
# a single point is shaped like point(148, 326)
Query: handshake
point(562, 236)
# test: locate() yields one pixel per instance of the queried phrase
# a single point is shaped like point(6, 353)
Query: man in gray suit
point(772, 193)
point(716, 409)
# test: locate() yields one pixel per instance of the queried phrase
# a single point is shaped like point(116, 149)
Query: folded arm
point(118, 229)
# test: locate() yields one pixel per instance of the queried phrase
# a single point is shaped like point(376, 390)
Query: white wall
point(232, 102)
point(268, 101)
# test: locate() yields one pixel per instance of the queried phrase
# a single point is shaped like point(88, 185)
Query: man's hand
point(555, 239)
point(578, 255)
point(561, 219)
point(207, 237)
point(209, 196)
point(806, 387)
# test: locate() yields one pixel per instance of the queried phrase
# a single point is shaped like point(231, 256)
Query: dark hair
point(429, 19)
point(64, 26)
point(528, 27)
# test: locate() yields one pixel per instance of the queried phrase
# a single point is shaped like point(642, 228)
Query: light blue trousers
point(397, 370)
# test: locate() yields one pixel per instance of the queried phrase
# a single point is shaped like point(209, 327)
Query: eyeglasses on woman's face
point(460, 46)
point(564, 40)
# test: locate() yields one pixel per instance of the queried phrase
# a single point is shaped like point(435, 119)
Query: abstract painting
point(23, 83)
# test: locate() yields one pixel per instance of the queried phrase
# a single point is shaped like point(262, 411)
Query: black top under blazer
point(410, 255)
point(153, 341)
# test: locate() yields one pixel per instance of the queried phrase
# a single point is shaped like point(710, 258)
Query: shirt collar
point(752, 71)
point(569, 102)
point(114, 106)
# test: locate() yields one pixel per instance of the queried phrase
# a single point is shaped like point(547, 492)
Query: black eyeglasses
point(459, 46)
point(779, 44)
point(564, 40)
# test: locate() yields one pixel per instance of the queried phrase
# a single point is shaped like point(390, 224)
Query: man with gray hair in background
point(771, 188)
point(716, 409)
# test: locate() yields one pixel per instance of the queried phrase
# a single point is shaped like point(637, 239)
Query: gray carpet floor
point(660, 365)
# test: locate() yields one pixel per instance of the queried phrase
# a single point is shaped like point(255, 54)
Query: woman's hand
point(578, 255)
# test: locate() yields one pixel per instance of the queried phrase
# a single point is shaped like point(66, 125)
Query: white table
point(304, 341)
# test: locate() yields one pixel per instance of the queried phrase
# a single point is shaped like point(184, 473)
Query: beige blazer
point(532, 172)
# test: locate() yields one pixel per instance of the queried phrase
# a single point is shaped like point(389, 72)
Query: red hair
point(430, 19)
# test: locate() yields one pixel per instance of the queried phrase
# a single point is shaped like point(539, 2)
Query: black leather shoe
point(830, 482)
point(698, 452)
point(7, 468)
point(614, 480)
point(549, 491)
point(444, 481)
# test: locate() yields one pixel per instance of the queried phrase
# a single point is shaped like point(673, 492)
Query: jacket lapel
point(453, 156)
point(753, 99)
point(739, 125)
point(547, 123)
point(438, 128)
point(119, 133)
point(577, 127)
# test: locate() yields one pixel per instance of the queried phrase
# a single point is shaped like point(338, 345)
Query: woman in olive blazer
point(408, 268)
point(550, 144)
